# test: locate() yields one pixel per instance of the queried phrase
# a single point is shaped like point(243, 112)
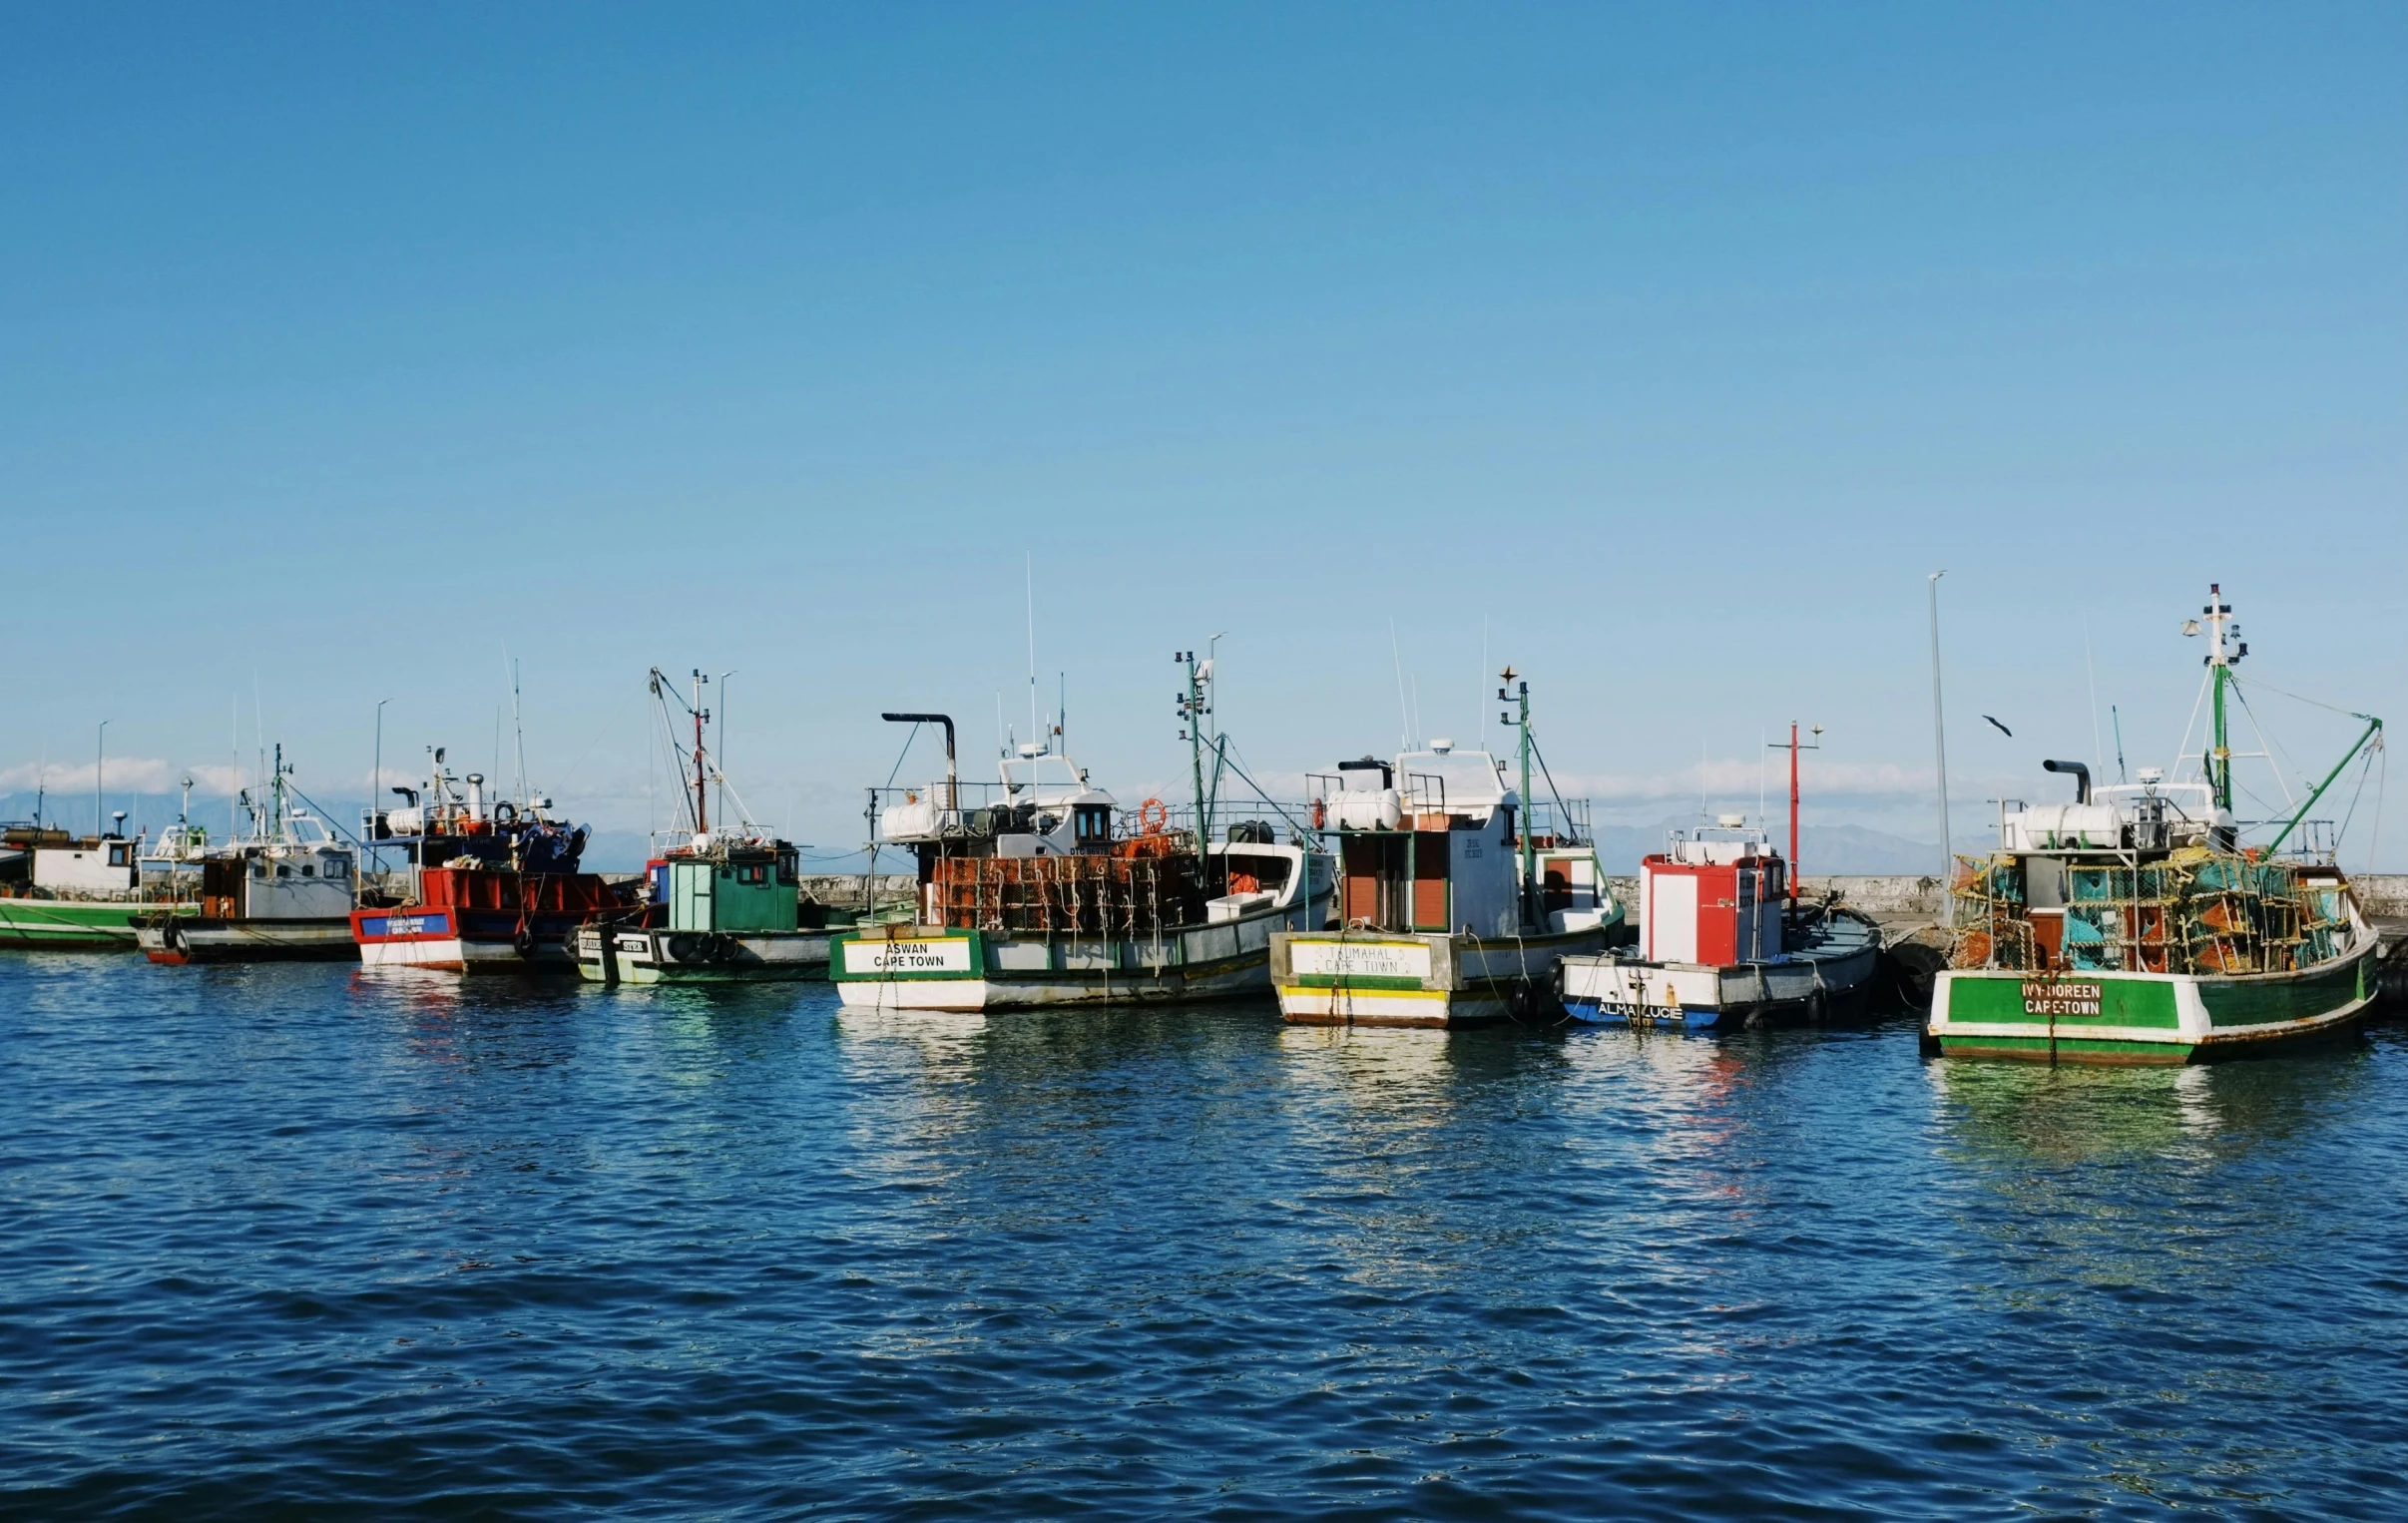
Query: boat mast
point(1793, 747)
point(1520, 719)
point(701, 790)
point(1193, 709)
point(2219, 660)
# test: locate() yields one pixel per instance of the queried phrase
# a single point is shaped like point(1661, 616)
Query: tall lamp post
point(100, 763)
point(376, 788)
point(722, 766)
point(1939, 742)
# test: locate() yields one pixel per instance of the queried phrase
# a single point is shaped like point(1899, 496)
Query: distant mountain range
point(1824, 849)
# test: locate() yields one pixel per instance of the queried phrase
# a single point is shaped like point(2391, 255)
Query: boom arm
point(2374, 727)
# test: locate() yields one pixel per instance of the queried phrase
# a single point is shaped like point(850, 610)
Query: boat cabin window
point(259, 870)
point(283, 871)
point(752, 872)
point(308, 870)
point(1092, 825)
point(338, 866)
point(1249, 872)
point(117, 857)
point(788, 873)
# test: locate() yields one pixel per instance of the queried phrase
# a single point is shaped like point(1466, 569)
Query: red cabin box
point(1712, 902)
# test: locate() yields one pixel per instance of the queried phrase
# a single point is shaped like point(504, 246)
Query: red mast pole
point(1793, 873)
point(702, 799)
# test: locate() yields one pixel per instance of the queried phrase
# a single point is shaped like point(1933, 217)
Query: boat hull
point(2147, 1018)
point(649, 956)
point(1383, 978)
point(93, 924)
point(179, 939)
point(1621, 992)
point(456, 942)
point(924, 968)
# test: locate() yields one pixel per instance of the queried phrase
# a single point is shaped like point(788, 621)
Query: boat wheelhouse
point(284, 891)
point(722, 905)
point(2133, 925)
point(1039, 889)
point(1455, 899)
point(491, 887)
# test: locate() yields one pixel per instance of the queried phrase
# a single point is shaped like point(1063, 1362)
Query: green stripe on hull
point(2091, 1049)
point(73, 922)
point(2261, 1002)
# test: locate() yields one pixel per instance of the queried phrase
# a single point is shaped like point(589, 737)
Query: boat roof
point(1451, 779)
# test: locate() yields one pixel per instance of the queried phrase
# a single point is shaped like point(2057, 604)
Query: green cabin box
point(743, 894)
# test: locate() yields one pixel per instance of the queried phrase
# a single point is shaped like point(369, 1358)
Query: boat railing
point(1252, 823)
point(1561, 822)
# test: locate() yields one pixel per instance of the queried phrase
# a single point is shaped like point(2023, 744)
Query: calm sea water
point(301, 1241)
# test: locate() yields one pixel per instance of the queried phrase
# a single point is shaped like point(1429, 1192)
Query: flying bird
point(2002, 730)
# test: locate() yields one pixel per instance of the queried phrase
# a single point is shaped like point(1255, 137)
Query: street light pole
point(1939, 742)
point(376, 788)
point(723, 676)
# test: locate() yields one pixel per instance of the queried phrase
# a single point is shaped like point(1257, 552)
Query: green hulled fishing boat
point(62, 891)
point(2134, 925)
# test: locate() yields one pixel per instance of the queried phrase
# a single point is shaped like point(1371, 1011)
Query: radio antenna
point(1029, 570)
point(518, 728)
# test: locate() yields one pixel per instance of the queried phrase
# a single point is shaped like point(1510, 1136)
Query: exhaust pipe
point(952, 790)
point(2082, 777)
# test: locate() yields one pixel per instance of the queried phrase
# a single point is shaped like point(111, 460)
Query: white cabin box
point(90, 866)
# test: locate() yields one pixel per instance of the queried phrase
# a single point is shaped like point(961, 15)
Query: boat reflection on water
point(2079, 1114)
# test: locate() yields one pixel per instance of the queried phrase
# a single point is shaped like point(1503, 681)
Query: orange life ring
point(1151, 818)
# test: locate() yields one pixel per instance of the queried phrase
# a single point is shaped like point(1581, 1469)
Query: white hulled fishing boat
point(1039, 889)
point(1456, 899)
point(1726, 940)
point(284, 891)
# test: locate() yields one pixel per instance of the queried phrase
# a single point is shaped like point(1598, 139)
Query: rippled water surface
point(300, 1241)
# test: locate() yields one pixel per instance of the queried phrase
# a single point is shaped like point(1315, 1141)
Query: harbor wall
point(1906, 896)
point(844, 889)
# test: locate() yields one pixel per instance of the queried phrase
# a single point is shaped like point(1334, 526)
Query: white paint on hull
point(1618, 990)
point(1005, 992)
point(454, 955)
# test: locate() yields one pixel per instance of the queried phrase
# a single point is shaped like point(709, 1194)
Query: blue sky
point(1672, 347)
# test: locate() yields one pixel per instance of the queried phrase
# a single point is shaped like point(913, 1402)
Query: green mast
point(2222, 651)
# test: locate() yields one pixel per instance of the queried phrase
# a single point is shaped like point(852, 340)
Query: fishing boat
point(1726, 940)
point(1456, 899)
point(2133, 925)
point(1039, 889)
point(63, 891)
point(492, 887)
point(283, 892)
point(722, 903)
